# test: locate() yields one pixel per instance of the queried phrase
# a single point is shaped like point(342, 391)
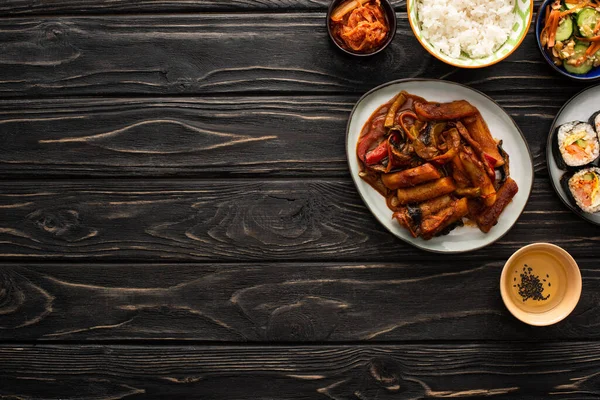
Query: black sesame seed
point(531, 287)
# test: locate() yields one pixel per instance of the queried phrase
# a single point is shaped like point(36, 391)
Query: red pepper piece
point(376, 131)
point(377, 154)
point(490, 160)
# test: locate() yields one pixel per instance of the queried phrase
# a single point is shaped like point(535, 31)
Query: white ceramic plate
point(502, 126)
point(579, 108)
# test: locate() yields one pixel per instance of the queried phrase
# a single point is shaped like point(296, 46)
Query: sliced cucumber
point(584, 68)
point(587, 20)
point(564, 30)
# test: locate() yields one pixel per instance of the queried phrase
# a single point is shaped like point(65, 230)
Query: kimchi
point(359, 26)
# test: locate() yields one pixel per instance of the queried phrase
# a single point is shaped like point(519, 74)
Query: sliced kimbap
point(584, 185)
point(577, 143)
point(595, 121)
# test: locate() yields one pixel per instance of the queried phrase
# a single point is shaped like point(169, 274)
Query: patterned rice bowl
point(524, 13)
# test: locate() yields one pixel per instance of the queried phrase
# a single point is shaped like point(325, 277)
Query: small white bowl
point(570, 292)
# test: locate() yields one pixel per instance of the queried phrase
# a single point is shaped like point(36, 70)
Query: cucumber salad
point(571, 34)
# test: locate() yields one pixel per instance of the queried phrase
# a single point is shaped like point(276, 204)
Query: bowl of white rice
point(470, 33)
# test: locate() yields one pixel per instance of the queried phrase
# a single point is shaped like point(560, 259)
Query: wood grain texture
point(176, 136)
point(29, 7)
point(267, 240)
point(507, 370)
point(208, 53)
point(215, 136)
point(283, 302)
point(238, 221)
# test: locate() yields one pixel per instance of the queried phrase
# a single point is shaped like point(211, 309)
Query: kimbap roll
point(584, 186)
point(595, 122)
point(578, 143)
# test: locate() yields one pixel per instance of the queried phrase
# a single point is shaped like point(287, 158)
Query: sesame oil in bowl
point(537, 283)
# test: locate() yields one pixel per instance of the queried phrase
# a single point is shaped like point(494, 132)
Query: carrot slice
point(544, 32)
point(575, 9)
point(554, 18)
point(592, 49)
point(591, 39)
point(401, 119)
point(575, 150)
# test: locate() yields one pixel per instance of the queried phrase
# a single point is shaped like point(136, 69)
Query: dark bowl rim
point(417, 245)
point(389, 11)
point(538, 27)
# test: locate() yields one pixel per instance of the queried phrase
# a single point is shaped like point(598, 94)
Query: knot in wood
point(52, 32)
point(11, 297)
point(274, 222)
point(312, 318)
point(22, 303)
point(386, 373)
point(61, 224)
point(283, 218)
point(291, 325)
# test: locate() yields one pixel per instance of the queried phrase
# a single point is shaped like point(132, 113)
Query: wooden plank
point(209, 53)
point(245, 136)
point(505, 370)
point(298, 302)
point(237, 220)
point(175, 136)
point(30, 7)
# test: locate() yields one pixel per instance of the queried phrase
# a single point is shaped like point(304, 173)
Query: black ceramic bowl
point(391, 19)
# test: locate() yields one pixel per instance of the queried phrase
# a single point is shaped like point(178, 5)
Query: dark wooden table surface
point(177, 219)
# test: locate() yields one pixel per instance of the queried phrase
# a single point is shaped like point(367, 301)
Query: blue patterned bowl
point(593, 75)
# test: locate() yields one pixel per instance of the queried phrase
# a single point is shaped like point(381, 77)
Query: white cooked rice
point(476, 27)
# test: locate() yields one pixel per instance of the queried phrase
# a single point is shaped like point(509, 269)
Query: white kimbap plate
point(578, 143)
point(595, 122)
point(584, 186)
